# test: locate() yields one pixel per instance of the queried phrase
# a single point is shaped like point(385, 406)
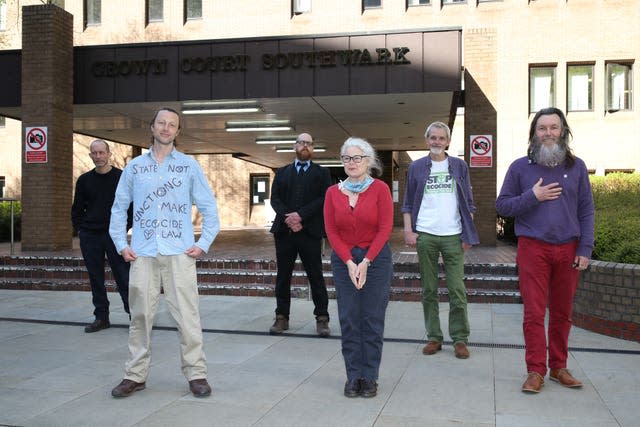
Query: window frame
point(3, 15)
point(186, 11)
point(85, 13)
point(365, 7)
point(552, 89)
point(570, 91)
point(147, 17)
point(427, 3)
point(307, 9)
point(627, 90)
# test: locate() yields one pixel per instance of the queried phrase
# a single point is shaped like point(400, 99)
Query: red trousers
point(547, 278)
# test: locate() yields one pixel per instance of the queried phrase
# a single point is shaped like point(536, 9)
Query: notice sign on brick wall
point(481, 151)
point(35, 140)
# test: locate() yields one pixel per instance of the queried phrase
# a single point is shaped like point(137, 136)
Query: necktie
point(301, 167)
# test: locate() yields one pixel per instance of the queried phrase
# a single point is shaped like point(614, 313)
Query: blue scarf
point(357, 187)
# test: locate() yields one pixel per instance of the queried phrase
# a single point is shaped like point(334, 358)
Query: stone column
point(47, 100)
point(480, 118)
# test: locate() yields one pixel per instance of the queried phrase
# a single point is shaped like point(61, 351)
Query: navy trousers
point(362, 312)
point(94, 246)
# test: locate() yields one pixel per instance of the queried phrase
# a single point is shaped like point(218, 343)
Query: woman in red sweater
point(358, 214)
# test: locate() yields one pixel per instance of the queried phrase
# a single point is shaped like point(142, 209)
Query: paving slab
point(54, 374)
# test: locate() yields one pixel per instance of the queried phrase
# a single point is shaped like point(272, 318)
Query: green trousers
point(429, 248)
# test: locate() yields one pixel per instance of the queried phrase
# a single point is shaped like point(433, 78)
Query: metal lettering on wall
point(269, 61)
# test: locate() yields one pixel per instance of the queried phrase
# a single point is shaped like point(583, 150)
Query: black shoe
point(97, 325)
point(369, 388)
point(352, 388)
point(322, 326)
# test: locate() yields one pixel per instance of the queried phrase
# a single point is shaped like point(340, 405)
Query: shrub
point(617, 219)
point(617, 200)
point(5, 221)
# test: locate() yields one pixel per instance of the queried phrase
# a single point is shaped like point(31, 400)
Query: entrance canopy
point(251, 97)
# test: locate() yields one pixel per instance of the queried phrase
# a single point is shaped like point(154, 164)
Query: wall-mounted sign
point(481, 148)
point(35, 144)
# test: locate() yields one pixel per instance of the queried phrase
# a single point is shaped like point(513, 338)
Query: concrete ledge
point(608, 299)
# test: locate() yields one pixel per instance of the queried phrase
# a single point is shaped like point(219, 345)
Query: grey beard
point(549, 156)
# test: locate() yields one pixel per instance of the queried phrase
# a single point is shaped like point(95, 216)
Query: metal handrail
point(3, 199)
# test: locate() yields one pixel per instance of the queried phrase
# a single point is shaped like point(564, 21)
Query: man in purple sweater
point(549, 194)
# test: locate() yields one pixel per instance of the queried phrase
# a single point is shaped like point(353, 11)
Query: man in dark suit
point(297, 197)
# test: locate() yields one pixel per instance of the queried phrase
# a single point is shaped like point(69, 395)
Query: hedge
point(617, 200)
point(617, 221)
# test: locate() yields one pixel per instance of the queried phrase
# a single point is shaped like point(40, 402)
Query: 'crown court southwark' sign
point(352, 64)
point(268, 61)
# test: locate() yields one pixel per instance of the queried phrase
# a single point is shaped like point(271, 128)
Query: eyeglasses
point(356, 159)
point(305, 143)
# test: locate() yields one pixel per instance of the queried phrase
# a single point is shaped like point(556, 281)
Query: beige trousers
point(176, 274)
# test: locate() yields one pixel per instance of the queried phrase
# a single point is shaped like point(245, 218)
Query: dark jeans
point(94, 245)
point(288, 247)
point(362, 312)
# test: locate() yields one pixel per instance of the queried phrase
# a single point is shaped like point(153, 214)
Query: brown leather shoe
point(461, 351)
point(127, 387)
point(280, 325)
point(432, 347)
point(97, 325)
point(564, 377)
point(200, 387)
point(322, 326)
point(534, 383)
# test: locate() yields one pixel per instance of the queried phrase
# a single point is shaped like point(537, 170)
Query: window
point(371, 4)
point(542, 87)
point(92, 12)
point(259, 189)
point(3, 15)
point(411, 3)
point(2, 122)
point(300, 6)
point(192, 9)
point(580, 87)
point(453, 1)
point(619, 89)
point(154, 11)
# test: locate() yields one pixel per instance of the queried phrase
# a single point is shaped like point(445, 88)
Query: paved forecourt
point(53, 374)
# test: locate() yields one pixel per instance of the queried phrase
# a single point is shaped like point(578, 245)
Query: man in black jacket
point(297, 197)
point(90, 214)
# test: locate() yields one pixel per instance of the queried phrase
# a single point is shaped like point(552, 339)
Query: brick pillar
point(47, 100)
point(480, 118)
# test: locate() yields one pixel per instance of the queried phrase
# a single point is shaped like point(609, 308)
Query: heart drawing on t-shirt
point(148, 234)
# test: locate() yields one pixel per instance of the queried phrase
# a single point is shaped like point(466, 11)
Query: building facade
point(516, 56)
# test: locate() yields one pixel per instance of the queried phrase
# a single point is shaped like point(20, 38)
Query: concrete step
point(495, 283)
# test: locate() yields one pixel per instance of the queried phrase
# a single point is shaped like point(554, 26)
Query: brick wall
point(47, 100)
point(480, 118)
point(608, 300)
